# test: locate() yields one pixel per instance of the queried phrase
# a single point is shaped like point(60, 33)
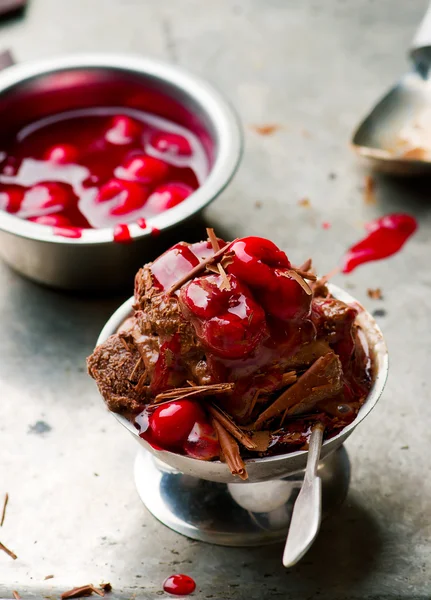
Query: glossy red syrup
point(122, 234)
point(95, 168)
point(179, 585)
point(386, 236)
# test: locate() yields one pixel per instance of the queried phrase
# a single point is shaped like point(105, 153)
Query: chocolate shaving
point(213, 269)
point(299, 279)
point(80, 592)
point(9, 552)
point(142, 383)
point(16, 595)
point(375, 294)
point(48, 577)
point(135, 369)
point(216, 247)
point(369, 190)
point(3, 514)
point(231, 427)
point(306, 266)
point(326, 372)
point(225, 285)
point(305, 274)
point(106, 587)
point(230, 450)
point(288, 378)
point(227, 260)
point(261, 439)
point(197, 390)
point(213, 239)
point(200, 267)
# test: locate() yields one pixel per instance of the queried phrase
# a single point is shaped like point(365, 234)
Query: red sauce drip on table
point(95, 168)
point(179, 585)
point(122, 234)
point(386, 236)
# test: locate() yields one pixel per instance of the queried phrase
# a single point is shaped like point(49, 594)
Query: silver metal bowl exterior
point(94, 261)
point(274, 467)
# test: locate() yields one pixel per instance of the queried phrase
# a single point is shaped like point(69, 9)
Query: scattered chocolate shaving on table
point(197, 390)
point(231, 427)
point(325, 373)
point(3, 514)
point(305, 203)
point(230, 450)
point(375, 294)
point(16, 595)
point(48, 577)
point(5, 549)
point(193, 272)
point(268, 129)
point(80, 592)
point(106, 587)
point(258, 204)
point(369, 190)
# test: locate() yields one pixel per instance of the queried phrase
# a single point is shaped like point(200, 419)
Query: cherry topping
point(146, 168)
point(179, 585)
point(170, 424)
point(47, 195)
point(171, 143)
point(123, 130)
point(169, 195)
point(172, 265)
point(285, 298)
point(130, 196)
point(254, 261)
point(228, 322)
point(11, 198)
point(61, 154)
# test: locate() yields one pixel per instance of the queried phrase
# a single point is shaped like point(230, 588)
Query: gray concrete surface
point(313, 68)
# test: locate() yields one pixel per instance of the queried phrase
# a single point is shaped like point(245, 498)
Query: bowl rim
point(380, 377)
point(219, 110)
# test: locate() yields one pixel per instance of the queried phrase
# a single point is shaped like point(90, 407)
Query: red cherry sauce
point(96, 168)
point(179, 585)
point(386, 236)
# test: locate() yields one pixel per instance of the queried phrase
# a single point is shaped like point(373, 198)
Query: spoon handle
point(307, 512)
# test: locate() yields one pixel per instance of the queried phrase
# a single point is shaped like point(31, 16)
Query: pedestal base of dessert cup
point(233, 514)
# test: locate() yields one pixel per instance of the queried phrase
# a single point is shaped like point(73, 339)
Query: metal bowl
point(273, 467)
point(34, 90)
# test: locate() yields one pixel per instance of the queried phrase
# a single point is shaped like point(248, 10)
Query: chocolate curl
point(230, 450)
point(216, 247)
point(196, 390)
point(261, 440)
point(200, 267)
point(321, 380)
point(231, 427)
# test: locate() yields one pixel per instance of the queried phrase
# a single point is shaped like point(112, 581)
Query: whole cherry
point(123, 130)
point(11, 198)
point(171, 143)
point(171, 423)
point(145, 168)
point(168, 195)
point(286, 298)
point(254, 260)
point(61, 154)
point(129, 196)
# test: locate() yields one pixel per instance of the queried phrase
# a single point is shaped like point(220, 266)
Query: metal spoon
point(307, 512)
point(395, 137)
